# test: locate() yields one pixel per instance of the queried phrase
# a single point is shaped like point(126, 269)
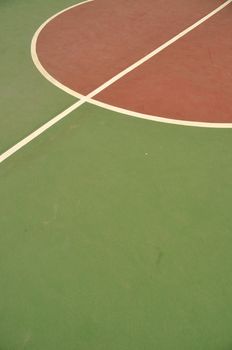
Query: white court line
point(88, 98)
point(115, 108)
point(36, 59)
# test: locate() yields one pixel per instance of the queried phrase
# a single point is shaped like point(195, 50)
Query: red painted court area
point(190, 80)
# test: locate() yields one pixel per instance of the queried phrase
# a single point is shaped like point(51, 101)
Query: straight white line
point(156, 51)
point(40, 130)
point(111, 81)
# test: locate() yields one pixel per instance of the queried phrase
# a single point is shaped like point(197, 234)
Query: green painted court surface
point(115, 232)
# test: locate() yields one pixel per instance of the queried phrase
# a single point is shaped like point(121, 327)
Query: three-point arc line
point(89, 97)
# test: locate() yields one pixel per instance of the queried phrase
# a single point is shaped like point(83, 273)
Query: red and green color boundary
point(188, 82)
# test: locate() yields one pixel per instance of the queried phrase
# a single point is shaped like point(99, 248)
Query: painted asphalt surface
point(115, 232)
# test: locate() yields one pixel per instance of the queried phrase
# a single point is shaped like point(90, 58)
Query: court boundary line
point(88, 97)
point(35, 58)
point(137, 64)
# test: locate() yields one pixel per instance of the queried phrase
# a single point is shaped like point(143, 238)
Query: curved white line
point(89, 98)
point(36, 59)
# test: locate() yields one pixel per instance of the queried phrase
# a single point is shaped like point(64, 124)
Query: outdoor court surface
point(116, 175)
